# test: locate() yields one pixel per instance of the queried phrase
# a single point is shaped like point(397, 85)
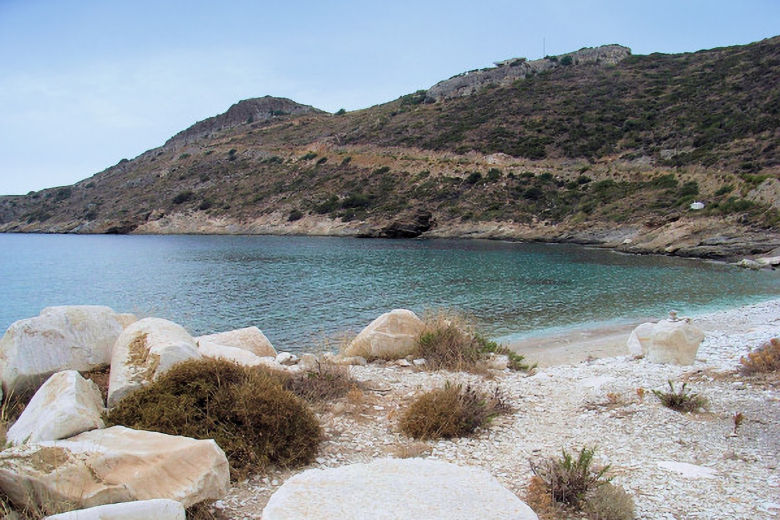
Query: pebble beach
point(675, 466)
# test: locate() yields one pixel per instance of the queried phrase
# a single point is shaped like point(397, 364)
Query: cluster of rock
point(672, 341)
point(508, 71)
point(62, 455)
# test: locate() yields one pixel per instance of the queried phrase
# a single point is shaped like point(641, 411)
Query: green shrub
point(493, 174)
point(609, 502)
point(381, 171)
point(309, 156)
point(473, 178)
point(682, 400)
point(245, 410)
point(566, 61)
point(725, 189)
point(184, 196)
point(568, 480)
point(294, 215)
point(340, 112)
point(452, 411)
point(516, 361)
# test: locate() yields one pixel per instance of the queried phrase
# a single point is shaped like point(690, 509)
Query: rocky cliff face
point(507, 71)
point(255, 110)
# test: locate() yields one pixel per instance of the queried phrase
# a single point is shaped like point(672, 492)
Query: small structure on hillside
point(697, 205)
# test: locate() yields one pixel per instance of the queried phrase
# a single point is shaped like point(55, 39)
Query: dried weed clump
point(244, 409)
point(448, 341)
point(325, 383)
point(682, 400)
point(451, 411)
point(765, 358)
point(609, 502)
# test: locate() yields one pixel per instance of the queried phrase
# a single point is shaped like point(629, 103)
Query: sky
point(84, 84)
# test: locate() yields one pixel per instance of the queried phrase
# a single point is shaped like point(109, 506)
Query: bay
point(304, 292)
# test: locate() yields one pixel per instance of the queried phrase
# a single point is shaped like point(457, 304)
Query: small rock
point(419, 362)
point(286, 358)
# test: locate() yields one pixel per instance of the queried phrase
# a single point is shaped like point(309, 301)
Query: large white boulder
point(674, 341)
point(393, 335)
point(234, 354)
point(390, 489)
point(72, 337)
point(157, 509)
point(112, 465)
point(251, 339)
point(64, 406)
point(640, 338)
point(145, 350)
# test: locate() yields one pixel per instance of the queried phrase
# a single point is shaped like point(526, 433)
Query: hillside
point(595, 146)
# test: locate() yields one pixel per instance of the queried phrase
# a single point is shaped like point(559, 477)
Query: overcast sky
point(86, 83)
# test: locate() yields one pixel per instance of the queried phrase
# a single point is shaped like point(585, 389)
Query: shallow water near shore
point(305, 291)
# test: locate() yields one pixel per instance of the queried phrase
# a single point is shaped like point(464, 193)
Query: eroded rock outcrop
point(64, 406)
point(145, 350)
point(393, 488)
point(113, 465)
point(392, 335)
point(507, 71)
point(71, 337)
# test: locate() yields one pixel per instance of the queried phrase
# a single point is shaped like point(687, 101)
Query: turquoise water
point(302, 291)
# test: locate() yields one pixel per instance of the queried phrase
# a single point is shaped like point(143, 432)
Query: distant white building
point(697, 205)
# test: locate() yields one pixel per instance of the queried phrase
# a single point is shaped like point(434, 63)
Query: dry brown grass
point(764, 359)
point(609, 502)
point(451, 411)
point(567, 479)
point(410, 450)
point(681, 400)
point(326, 383)
point(245, 410)
point(449, 341)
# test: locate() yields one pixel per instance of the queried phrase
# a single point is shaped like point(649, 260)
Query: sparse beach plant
point(448, 341)
point(765, 358)
point(244, 409)
point(451, 411)
point(569, 480)
point(738, 418)
point(609, 502)
point(682, 400)
point(325, 383)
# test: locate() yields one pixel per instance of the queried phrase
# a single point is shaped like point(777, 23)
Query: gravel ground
point(595, 403)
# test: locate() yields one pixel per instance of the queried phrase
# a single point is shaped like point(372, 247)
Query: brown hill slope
point(606, 152)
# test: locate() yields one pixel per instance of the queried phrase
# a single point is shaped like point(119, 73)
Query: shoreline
point(605, 340)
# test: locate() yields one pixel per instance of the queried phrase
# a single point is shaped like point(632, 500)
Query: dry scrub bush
point(569, 480)
point(609, 502)
point(765, 358)
point(682, 400)
point(449, 342)
point(452, 411)
point(326, 383)
point(244, 409)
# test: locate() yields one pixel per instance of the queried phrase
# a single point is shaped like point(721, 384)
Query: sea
point(309, 293)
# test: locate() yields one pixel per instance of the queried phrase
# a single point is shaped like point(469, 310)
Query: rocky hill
point(595, 146)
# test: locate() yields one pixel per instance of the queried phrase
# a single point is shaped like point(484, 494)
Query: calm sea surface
point(302, 291)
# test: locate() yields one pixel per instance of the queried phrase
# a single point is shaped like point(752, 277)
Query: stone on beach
point(396, 488)
point(65, 405)
point(237, 355)
point(640, 338)
point(145, 350)
point(674, 341)
point(157, 508)
point(71, 337)
point(392, 335)
point(112, 465)
point(250, 339)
